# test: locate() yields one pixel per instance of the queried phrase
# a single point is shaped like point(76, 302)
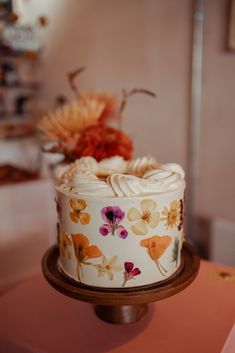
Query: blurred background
point(183, 50)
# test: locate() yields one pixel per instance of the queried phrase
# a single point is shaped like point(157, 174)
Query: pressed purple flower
point(130, 271)
point(113, 216)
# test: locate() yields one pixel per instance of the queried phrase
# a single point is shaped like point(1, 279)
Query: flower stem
point(159, 268)
point(81, 270)
point(162, 266)
point(88, 263)
point(71, 79)
point(124, 282)
point(78, 271)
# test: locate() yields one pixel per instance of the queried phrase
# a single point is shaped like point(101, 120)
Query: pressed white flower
point(147, 216)
point(108, 267)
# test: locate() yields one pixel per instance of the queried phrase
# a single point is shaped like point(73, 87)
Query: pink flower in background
point(113, 216)
point(130, 271)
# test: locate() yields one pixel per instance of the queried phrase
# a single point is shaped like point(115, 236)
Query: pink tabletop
point(197, 320)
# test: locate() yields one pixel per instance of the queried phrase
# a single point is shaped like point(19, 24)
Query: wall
point(137, 43)
point(216, 183)
point(131, 44)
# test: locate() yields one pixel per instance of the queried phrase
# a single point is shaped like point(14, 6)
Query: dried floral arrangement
point(81, 128)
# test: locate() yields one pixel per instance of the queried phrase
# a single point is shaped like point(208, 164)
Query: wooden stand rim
point(121, 296)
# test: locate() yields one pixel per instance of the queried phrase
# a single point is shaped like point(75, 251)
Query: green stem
point(159, 268)
point(78, 271)
point(81, 270)
point(162, 266)
point(124, 283)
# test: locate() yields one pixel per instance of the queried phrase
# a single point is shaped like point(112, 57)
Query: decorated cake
point(120, 223)
point(120, 220)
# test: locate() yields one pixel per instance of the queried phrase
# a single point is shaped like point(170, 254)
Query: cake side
point(113, 241)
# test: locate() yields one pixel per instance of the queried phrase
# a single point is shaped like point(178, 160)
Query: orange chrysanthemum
point(67, 123)
point(101, 141)
point(107, 103)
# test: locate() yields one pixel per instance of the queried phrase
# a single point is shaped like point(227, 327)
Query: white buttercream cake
point(120, 222)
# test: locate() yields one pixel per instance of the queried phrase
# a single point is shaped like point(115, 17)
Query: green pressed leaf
point(175, 251)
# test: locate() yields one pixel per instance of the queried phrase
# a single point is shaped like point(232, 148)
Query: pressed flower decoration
point(175, 251)
point(65, 242)
point(81, 128)
point(146, 217)
point(172, 216)
point(182, 237)
point(181, 221)
point(58, 208)
point(113, 216)
point(78, 215)
point(84, 252)
point(108, 267)
point(226, 276)
point(130, 272)
point(156, 246)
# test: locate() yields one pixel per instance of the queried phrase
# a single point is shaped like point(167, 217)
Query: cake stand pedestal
point(122, 305)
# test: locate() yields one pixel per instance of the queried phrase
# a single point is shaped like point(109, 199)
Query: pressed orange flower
point(84, 251)
point(101, 141)
point(172, 216)
point(156, 247)
point(108, 267)
point(78, 206)
point(148, 216)
point(65, 241)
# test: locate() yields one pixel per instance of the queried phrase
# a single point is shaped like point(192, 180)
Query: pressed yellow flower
point(108, 267)
point(225, 276)
point(84, 251)
point(171, 216)
point(78, 206)
point(156, 247)
point(144, 218)
point(65, 241)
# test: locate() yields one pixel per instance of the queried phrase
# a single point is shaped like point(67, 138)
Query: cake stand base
point(121, 314)
point(122, 305)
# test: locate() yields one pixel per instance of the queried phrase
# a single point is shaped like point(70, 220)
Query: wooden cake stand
point(122, 305)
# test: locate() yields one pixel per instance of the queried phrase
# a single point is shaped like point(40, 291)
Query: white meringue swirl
point(81, 177)
point(112, 165)
point(139, 166)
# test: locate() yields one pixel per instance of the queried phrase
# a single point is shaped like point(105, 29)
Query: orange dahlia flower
point(101, 141)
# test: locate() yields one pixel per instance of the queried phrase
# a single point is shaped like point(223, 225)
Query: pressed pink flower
point(130, 271)
point(113, 216)
point(122, 232)
point(105, 229)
